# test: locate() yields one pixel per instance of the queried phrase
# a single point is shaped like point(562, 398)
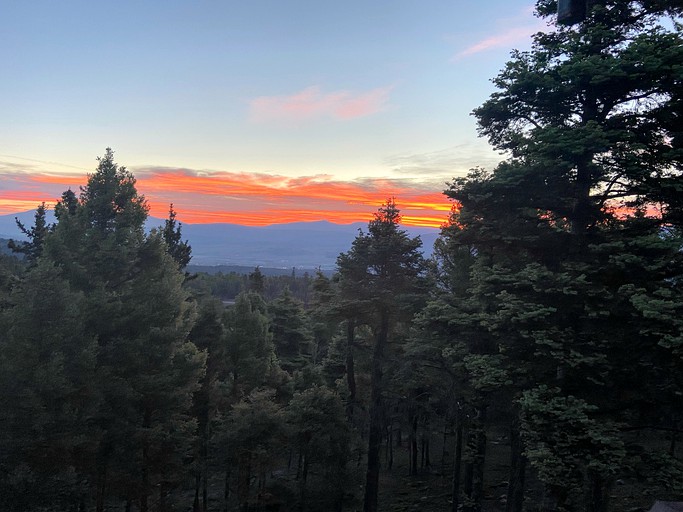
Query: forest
point(533, 363)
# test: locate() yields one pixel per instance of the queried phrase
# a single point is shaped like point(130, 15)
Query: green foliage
point(47, 367)
point(382, 281)
point(317, 423)
point(247, 353)
point(97, 355)
point(180, 251)
point(565, 440)
point(563, 264)
point(110, 203)
point(256, 427)
point(291, 333)
point(36, 235)
point(384, 266)
point(663, 472)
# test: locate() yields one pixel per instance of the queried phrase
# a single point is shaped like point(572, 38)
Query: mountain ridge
point(303, 244)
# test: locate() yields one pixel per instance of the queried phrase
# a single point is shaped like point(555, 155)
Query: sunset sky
point(253, 112)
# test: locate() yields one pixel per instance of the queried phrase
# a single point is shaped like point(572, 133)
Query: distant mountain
point(299, 244)
point(8, 226)
point(306, 245)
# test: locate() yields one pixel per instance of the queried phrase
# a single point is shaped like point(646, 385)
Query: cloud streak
point(312, 104)
point(517, 30)
point(248, 198)
point(444, 163)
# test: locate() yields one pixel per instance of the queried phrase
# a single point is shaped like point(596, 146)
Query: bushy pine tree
point(571, 242)
point(384, 273)
point(103, 319)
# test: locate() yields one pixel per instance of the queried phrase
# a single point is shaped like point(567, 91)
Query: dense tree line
point(228, 285)
point(546, 327)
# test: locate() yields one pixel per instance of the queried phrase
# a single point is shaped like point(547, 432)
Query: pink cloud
point(520, 30)
point(312, 103)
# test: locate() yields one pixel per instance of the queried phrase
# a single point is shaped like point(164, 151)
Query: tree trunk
point(100, 488)
point(457, 460)
point(205, 467)
point(243, 478)
point(197, 485)
point(298, 464)
point(302, 484)
point(413, 446)
point(443, 446)
point(350, 368)
point(598, 498)
point(375, 437)
point(474, 471)
point(515, 494)
point(146, 423)
point(390, 446)
point(226, 489)
point(162, 497)
point(424, 444)
point(580, 215)
point(480, 459)
point(468, 476)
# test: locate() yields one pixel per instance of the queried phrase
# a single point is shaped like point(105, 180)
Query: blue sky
point(347, 91)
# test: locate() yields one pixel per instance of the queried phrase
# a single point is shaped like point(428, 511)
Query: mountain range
point(305, 245)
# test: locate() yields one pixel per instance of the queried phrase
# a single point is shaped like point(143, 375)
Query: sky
point(256, 112)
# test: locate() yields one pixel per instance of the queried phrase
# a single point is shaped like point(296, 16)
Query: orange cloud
point(250, 199)
point(312, 103)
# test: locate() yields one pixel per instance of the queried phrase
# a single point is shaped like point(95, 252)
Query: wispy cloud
point(509, 32)
point(444, 163)
point(312, 103)
point(248, 198)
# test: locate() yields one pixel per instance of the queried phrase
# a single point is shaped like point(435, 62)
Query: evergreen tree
point(291, 335)
point(47, 367)
point(321, 434)
point(565, 231)
point(137, 309)
point(36, 235)
point(256, 430)
point(384, 273)
point(180, 251)
point(247, 351)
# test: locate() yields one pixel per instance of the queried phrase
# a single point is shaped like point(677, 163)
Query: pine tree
point(136, 307)
point(180, 251)
point(576, 231)
point(291, 334)
point(47, 366)
point(384, 273)
point(321, 435)
point(36, 235)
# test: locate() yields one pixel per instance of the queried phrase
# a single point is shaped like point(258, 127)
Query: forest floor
point(430, 489)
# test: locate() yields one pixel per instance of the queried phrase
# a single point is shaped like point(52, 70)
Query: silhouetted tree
point(384, 273)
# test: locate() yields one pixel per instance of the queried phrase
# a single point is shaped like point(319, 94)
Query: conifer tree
point(180, 251)
point(384, 273)
point(291, 335)
point(47, 367)
point(137, 309)
point(35, 234)
point(576, 232)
